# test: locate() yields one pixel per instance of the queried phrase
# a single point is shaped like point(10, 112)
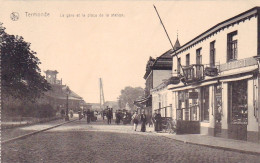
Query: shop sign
point(193, 95)
point(210, 71)
point(238, 64)
point(174, 80)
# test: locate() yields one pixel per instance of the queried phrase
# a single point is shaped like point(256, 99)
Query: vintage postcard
point(130, 81)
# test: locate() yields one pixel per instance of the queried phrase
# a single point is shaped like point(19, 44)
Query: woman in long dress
point(143, 119)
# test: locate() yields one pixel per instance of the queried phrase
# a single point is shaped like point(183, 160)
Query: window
point(179, 66)
point(198, 56)
point(212, 54)
point(187, 59)
point(231, 46)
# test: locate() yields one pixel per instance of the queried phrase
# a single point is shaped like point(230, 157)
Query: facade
point(157, 70)
point(161, 96)
point(219, 74)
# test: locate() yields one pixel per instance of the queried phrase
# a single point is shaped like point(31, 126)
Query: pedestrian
point(135, 120)
point(143, 120)
point(109, 116)
point(117, 117)
point(84, 113)
point(79, 113)
point(158, 121)
point(88, 116)
point(62, 112)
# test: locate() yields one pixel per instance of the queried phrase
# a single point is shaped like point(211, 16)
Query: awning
point(195, 86)
point(236, 78)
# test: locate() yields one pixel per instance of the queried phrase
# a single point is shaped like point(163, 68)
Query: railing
point(193, 73)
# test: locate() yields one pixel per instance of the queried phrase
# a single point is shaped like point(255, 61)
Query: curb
point(36, 132)
point(216, 147)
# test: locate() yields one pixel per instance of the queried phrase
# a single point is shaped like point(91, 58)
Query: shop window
point(186, 103)
point(194, 107)
point(212, 54)
point(205, 103)
point(238, 102)
point(231, 46)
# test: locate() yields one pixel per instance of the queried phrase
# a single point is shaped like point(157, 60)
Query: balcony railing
point(193, 73)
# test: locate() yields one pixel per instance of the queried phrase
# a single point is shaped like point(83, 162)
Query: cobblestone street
point(79, 142)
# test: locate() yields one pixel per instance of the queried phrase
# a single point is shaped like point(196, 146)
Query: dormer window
point(232, 46)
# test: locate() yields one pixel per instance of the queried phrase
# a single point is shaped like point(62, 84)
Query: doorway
point(218, 110)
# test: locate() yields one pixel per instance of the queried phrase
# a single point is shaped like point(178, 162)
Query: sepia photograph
point(140, 81)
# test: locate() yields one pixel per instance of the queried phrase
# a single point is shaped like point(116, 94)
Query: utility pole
point(102, 97)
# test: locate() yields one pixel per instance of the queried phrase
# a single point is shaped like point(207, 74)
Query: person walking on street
point(88, 116)
point(143, 119)
point(79, 112)
point(109, 116)
point(117, 117)
point(135, 120)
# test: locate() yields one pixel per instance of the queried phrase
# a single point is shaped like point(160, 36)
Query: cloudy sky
point(85, 48)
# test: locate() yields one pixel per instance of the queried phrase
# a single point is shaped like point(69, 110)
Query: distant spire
point(177, 43)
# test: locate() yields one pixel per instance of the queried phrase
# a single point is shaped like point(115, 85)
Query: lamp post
point(67, 104)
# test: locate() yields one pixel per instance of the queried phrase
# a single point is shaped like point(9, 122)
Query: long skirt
point(143, 127)
point(158, 126)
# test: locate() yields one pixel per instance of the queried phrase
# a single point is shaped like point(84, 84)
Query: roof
point(59, 92)
point(220, 26)
point(163, 62)
point(177, 44)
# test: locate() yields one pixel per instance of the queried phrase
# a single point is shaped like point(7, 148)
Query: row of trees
point(129, 95)
point(21, 79)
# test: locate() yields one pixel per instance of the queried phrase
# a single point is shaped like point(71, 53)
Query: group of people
point(136, 117)
point(87, 114)
point(157, 119)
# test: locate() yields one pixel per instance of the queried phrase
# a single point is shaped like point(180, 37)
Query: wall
point(159, 76)
point(247, 44)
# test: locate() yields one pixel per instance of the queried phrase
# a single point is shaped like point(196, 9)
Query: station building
point(215, 80)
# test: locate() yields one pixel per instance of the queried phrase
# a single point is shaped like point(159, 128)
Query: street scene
point(106, 81)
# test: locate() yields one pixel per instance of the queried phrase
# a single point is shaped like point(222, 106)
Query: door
point(218, 110)
point(238, 110)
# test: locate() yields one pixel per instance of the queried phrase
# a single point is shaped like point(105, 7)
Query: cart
point(168, 125)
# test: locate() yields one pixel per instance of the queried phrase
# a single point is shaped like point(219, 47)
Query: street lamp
point(67, 104)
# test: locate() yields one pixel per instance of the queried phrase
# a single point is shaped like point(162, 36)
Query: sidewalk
point(12, 133)
point(214, 142)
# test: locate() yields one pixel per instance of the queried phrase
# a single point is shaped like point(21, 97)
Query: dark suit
point(143, 119)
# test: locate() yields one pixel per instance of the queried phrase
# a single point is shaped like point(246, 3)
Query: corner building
point(219, 79)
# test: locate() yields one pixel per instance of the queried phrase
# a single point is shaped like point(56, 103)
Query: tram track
point(35, 132)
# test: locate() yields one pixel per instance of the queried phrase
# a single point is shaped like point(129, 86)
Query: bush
point(31, 110)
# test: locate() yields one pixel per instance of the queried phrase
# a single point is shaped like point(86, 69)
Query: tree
point(129, 95)
point(21, 78)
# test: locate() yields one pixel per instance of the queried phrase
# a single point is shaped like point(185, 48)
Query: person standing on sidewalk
point(135, 120)
point(158, 121)
point(143, 119)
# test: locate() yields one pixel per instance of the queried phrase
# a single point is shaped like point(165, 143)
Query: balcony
point(193, 73)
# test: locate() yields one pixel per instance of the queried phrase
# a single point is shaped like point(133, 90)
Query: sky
point(85, 48)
